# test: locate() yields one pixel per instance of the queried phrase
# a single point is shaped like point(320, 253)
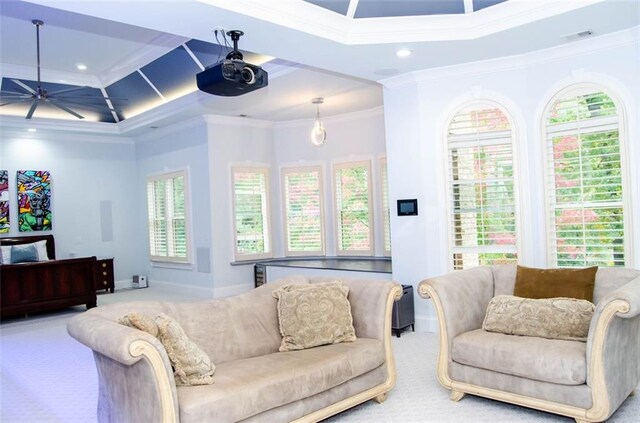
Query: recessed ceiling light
point(81, 67)
point(31, 130)
point(403, 52)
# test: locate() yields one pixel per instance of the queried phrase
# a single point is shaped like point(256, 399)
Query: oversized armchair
point(587, 381)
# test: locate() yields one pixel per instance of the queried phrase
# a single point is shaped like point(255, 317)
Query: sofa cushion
point(551, 283)
point(250, 386)
point(553, 318)
point(191, 365)
point(547, 360)
point(313, 315)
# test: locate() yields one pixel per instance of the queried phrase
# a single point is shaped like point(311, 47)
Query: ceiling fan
point(62, 99)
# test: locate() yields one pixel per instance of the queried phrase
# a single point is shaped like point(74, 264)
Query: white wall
point(182, 146)
point(417, 108)
point(350, 137)
point(85, 170)
point(231, 141)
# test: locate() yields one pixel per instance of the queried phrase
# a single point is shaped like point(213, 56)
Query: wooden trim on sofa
point(151, 354)
point(601, 407)
point(377, 392)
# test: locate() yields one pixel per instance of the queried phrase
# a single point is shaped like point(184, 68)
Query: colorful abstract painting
point(4, 201)
point(34, 200)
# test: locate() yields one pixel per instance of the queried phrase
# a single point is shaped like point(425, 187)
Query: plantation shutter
point(250, 188)
point(303, 211)
point(481, 188)
point(168, 240)
point(584, 182)
point(386, 214)
point(354, 220)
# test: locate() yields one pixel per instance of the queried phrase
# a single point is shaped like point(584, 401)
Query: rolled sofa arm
point(613, 351)
point(145, 364)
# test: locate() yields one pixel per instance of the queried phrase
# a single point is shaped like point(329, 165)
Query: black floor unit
point(403, 313)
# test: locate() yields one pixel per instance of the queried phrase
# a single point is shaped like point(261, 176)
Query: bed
point(27, 288)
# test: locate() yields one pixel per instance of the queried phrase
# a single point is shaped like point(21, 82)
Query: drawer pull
point(104, 273)
point(104, 282)
point(104, 264)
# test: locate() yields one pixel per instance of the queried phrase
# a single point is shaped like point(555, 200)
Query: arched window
point(482, 193)
point(584, 182)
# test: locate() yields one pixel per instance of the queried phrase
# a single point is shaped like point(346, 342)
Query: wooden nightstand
point(104, 274)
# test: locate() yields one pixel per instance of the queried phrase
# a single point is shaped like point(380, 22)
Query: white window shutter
point(353, 208)
point(303, 211)
point(386, 212)
point(482, 192)
point(585, 207)
point(251, 213)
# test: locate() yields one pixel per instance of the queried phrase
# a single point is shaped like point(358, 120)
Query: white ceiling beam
point(351, 11)
point(193, 56)
point(468, 6)
point(151, 85)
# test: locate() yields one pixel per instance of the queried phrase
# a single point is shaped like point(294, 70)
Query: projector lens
point(248, 75)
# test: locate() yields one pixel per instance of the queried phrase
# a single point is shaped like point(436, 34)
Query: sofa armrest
point(613, 351)
point(133, 349)
point(460, 299)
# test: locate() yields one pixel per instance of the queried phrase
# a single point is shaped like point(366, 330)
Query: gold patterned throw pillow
point(140, 321)
point(313, 315)
point(552, 318)
point(191, 365)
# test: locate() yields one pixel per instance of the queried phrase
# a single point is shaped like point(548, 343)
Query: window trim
point(382, 161)
point(623, 137)
point(479, 104)
point(300, 169)
point(187, 217)
point(346, 165)
point(266, 170)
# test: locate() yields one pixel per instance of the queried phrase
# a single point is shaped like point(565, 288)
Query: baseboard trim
point(199, 291)
point(426, 323)
point(123, 284)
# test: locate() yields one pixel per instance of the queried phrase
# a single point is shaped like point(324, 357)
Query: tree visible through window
point(481, 191)
point(302, 196)
point(353, 213)
point(167, 215)
point(251, 220)
point(584, 183)
point(386, 213)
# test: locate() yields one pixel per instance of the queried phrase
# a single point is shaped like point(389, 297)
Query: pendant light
point(318, 133)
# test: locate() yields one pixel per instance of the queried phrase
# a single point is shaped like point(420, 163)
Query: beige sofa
point(586, 381)
point(253, 381)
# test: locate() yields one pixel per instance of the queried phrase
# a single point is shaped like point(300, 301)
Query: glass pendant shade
point(318, 133)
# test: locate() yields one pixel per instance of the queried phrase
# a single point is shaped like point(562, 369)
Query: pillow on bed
point(5, 254)
point(41, 248)
point(26, 253)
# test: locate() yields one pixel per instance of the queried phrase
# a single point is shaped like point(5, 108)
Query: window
point(585, 207)
point(482, 197)
point(386, 214)
point(353, 211)
point(168, 227)
point(304, 226)
point(251, 213)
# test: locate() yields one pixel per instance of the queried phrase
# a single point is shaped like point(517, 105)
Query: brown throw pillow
point(191, 365)
point(552, 283)
point(313, 315)
point(552, 318)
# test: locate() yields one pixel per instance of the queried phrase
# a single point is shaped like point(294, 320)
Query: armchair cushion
point(546, 360)
point(551, 283)
point(552, 318)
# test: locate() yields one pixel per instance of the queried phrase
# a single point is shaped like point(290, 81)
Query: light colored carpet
point(46, 376)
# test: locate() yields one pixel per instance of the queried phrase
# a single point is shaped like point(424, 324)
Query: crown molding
point(344, 117)
point(315, 20)
point(57, 125)
point(238, 121)
point(171, 129)
point(572, 49)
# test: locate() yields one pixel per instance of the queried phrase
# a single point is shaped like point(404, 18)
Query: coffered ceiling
point(149, 51)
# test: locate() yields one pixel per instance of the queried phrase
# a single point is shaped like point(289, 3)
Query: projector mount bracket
point(235, 36)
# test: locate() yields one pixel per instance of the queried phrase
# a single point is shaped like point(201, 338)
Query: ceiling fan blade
point(68, 90)
point(92, 97)
point(32, 108)
point(24, 86)
point(14, 101)
point(26, 97)
point(66, 109)
point(99, 107)
point(13, 92)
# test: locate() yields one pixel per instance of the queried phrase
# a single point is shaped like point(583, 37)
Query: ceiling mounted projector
point(232, 76)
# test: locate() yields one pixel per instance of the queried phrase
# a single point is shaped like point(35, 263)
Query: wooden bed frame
point(47, 285)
